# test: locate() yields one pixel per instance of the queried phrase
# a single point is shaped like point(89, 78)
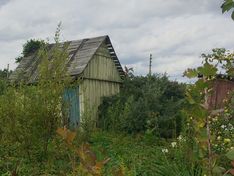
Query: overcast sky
point(176, 32)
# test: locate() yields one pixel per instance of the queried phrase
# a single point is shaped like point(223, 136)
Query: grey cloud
point(176, 32)
point(3, 2)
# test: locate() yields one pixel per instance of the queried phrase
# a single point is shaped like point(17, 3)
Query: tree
point(227, 6)
point(148, 104)
point(30, 47)
point(3, 79)
point(199, 114)
point(3, 73)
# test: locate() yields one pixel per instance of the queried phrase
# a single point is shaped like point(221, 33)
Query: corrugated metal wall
point(101, 78)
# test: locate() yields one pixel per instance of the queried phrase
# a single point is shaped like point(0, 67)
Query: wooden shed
point(221, 87)
point(94, 61)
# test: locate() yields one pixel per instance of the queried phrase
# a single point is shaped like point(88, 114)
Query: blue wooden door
point(71, 98)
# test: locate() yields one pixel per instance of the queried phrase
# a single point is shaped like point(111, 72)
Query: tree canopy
point(30, 47)
point(3, 73)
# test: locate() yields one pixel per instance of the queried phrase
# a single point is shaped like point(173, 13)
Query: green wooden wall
point(100, 78)
point(102, 66)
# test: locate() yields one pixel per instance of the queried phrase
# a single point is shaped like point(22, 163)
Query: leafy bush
point(3, 80)
point(32, 113)
point(211, 128)
point(3, 86)
point(150, 103)
point(222, 130)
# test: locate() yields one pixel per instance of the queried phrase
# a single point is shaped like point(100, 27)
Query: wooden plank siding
point(102, 66)
point(91, 93)
point(220, 91)
point(100, 78)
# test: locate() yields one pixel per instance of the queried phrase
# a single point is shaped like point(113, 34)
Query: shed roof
point(80, 53)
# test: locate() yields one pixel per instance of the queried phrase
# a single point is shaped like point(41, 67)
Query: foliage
point(4, 73)
point(145, 104)
point(3, 85)
point(156, 138)
point(201, 118)
point(179, 159)
point(230, 156)
point(30, 47)
point(222, 129)
point(32, 113)
point(141, 156)
point(3, 79)
point(134, 154)
point(88, 160)
point(227, 6)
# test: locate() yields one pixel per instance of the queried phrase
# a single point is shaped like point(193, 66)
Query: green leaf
point(207, 70)
point(218, 170)
point(199, 112)
point(190, 98)
point(227, 5)
point(230, 154)
point(191, 73)
point(233, 15)
point(201, 84)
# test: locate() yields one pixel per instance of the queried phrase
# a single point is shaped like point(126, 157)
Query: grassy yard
point(139, 155)
point(135, 155)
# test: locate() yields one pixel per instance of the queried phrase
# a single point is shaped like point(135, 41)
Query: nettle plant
point(201, 117)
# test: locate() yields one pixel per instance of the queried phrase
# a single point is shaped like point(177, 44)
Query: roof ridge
point(87, 38)
point(80, 53)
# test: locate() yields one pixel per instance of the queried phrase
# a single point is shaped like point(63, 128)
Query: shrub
point(32, 113)
point(3, 80)
point(150, 103)
point(205, 121)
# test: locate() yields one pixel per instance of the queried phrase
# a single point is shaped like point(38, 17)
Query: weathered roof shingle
point(80, 53)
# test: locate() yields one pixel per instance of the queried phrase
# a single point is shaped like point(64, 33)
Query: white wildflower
point(173, 144)
point(223, 126)
point(165, 150)
point(181, 138)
